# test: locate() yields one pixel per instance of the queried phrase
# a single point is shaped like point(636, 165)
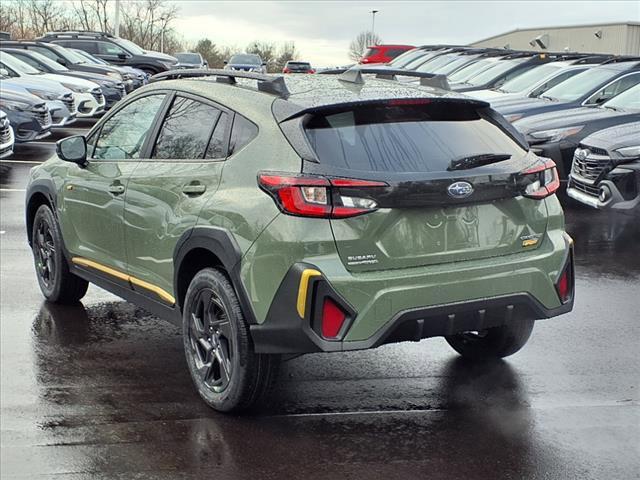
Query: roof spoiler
point(273, 84)
point(354, 75)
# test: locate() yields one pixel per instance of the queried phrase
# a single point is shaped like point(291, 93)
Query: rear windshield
point(405, 139)
point(299, 64)
point(188, 57)
point(370, 52)
point(246, 59)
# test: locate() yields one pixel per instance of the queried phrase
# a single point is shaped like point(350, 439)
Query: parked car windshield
point(407, 57)
point(244, 59)
point(494, 71)
point(69, 54)
point(530, 78)
point(129, 46)
point(90, 58)
point(470, 70)
point(575, 87)
point(439, 61)
point(188, 57)
point(18, 65)
point(405, 139)
point(453, 65)
point(627, 100)
point(55, 66)
point(420, 61)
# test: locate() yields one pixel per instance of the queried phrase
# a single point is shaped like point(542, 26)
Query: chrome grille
point(97, 94)
point(585, 187)
point(587, 164)
point(43, 116)
point(69, 102)
point(5, 132)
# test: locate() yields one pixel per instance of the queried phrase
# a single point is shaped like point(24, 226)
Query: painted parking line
point(13, 189)
point(28, 144)
point(7, 160)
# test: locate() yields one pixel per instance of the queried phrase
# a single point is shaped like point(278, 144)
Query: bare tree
point(45, 15)
point(359, 45)
point(144, 22)
point(286, 53)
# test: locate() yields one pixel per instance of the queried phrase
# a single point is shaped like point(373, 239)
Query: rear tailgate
point(427, 213)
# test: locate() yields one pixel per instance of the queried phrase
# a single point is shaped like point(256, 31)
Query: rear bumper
point(513, 291)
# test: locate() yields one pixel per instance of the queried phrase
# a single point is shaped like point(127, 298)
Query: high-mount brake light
point(544, 180)
point(320, 197)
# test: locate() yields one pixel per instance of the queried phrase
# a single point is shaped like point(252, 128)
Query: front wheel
point(56, 282)
point(497, 342)
point(227, 373)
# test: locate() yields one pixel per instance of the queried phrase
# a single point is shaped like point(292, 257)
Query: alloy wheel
point(45, 250)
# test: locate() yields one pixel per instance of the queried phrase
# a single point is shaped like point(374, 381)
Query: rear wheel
point(56, 282)
point(227, 373)
point(497, 342)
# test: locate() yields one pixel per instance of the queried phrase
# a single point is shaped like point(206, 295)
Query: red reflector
point(564, 287)
point(332, 319)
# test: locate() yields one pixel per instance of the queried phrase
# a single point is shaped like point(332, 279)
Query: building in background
point(616, 38)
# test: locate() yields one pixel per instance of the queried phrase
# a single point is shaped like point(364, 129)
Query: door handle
point(194, 189)
point(116, 189)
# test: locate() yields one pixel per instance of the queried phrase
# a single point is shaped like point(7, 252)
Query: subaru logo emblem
point(460, 189)
point(582, 153)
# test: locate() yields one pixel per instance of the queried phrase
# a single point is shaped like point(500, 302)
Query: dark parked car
point(137, 76)
point(29, 116)
point(595, 86)
point(557, 134)
point(298, 67)
point(115, 50)
point(606, 169)
point(247, 62)
point(190, 60)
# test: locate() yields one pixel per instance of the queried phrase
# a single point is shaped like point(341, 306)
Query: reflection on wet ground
point(101, 389)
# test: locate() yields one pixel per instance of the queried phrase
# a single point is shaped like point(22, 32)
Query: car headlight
point(43, 94)
point(75, 88)
point(114, 75)
point(513, 117)
point(629, 151)
point(555, 134)
point(14, 105)
point(106, 83)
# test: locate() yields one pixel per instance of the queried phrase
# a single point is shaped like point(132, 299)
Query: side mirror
point(73, 149)
point(225, 62)
point(264, 64)
point(61, 61)
point(123, 56)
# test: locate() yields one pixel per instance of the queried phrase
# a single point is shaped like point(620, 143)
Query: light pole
point(117, 20)
point(162, 19)
point(373, 21)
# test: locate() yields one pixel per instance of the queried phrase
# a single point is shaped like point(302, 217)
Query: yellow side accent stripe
point(530, 242)
point(163, 294)
point(302, 289)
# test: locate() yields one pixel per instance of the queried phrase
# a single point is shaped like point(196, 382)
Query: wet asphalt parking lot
point(101, 389)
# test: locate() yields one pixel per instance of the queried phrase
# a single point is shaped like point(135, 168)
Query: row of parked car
point(50, 82)
point(581, 110)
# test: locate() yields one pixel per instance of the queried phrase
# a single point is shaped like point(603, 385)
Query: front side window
point(123, 135)
point(106, 48)
point(46, 52)
point(186, 130)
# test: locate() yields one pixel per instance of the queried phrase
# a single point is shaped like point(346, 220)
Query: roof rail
point(79, 32)
point(354, 75)
point(273, 84)
point(622, 58)
point(597, 58)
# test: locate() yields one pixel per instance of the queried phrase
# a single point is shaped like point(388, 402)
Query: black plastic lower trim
point(283, 331)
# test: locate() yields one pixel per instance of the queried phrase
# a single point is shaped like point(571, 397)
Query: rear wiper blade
point(474, 161)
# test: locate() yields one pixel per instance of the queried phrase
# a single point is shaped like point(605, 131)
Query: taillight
point(332, 318)
point(311, 70)
point(565, 284)
point(286, 70)
point(314, 196)
point(543, 180)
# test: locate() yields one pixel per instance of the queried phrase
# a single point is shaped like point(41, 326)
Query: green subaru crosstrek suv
point(321, 213)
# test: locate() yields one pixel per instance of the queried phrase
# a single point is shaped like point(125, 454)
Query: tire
point(497, 342)
point(227, 373)
point(57, 283)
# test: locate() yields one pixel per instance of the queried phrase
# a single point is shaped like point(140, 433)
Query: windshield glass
point(245, 59)
point(129, 46)
point(407, 57)
point(188, 57)
point(55, 66)
point(18, 65)
point(530, 78)
point(420, 61)
point(454, 65)
point(436, 62)
point(494, 72)
point(575, 87)
point(69, 54)
point(470, 70)
point(405, 139)
point(627, 100)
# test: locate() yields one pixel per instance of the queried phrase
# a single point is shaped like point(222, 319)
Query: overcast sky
point(322, 30)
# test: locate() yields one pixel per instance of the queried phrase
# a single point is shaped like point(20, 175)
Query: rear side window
point(106, 48)
point(404, 138)
point(45, 51)
point(186, 130)
point(243, 132)
point(370, 52)
point(89, 47)
point(394, 52)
